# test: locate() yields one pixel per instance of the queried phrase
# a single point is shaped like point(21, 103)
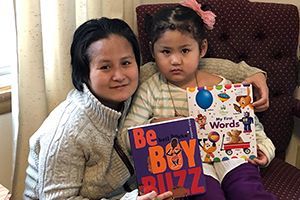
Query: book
point(167, 157)
point(225, 121)
point(4, 193)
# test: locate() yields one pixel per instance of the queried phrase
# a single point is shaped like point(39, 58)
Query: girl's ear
point(203, 48)
point(151, 49)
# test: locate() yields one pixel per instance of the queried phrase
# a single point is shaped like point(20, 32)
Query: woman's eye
point(166, 52)
point(126, 62)
point(104, 67)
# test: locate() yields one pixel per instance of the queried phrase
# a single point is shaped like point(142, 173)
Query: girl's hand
point(261, 91)
point(261, 159)
point(154, 196)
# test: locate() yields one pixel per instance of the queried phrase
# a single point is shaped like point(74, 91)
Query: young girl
point(178, 43)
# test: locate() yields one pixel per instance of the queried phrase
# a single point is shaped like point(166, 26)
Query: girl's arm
point(264, 144)
point(140, 111)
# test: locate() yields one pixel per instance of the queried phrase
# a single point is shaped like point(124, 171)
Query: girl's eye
point(185, 51)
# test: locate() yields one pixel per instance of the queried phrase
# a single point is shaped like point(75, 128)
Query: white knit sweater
point(71, 155)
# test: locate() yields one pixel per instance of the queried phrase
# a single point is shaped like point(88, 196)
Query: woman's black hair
point(179, 18)
point(92, 31)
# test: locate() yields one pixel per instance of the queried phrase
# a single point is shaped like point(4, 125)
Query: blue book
point(167, 157)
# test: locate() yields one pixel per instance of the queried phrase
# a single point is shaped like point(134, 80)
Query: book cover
point(167, 157)
point(225, 121)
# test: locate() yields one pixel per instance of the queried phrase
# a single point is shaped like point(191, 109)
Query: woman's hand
point(154, 196)
point(261, 91)
point(261, 159)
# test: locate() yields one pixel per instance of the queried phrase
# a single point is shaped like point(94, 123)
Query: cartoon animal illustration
point(201, 120)
point(235, 137)
point(243, 101)
point(174, 154)
point(209, 149)
point(247, 121)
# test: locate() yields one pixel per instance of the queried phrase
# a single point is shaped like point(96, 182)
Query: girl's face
point(113, 70)
point(177, 56)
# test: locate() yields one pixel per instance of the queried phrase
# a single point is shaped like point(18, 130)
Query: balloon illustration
point(204, 98)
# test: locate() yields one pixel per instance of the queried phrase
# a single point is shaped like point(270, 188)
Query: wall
point(6, 150)
point(293, 153)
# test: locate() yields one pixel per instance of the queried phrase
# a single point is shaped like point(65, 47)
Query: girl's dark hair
point(178, 18)
point(92, 31)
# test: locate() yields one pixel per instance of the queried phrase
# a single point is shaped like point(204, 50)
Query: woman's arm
point(241, 72)
point(235, 72)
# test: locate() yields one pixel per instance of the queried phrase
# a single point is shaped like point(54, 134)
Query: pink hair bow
point(208, 17)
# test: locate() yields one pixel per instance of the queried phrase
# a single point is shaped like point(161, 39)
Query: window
point(7, 52)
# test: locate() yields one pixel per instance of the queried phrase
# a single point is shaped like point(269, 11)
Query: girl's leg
point(213, 190)
point(244, 182)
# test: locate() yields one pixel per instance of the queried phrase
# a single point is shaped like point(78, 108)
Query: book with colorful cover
point(225, 121)
point(167, 157)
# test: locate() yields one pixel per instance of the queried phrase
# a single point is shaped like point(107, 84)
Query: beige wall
point(6, 150)
point(293, 153)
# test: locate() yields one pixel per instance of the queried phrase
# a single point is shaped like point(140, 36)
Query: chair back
point(265, 35)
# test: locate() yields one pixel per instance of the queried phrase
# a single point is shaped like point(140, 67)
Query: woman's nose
point(118, 74)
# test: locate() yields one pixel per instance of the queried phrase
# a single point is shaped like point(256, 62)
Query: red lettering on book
point(169, 181)
point(196, 171)
point(148, 184)
point(140, 140)
point(181, 174)
point(161, 183)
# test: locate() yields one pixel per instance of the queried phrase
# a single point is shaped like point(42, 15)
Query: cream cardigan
point(71, 154)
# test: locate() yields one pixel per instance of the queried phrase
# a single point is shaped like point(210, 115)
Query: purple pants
point(244, 182)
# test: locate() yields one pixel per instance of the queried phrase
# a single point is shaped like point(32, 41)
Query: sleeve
point(31, 180)
point(263, 142)
point(236, 72)
point(127, 196)
point(61, 166)
point(130, 195)
point(140, 111)
point(147, 70)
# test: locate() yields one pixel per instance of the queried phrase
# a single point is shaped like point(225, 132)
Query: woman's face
point(113, 70)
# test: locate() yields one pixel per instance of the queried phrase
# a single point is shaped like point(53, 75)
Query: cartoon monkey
point(201, 120)
point(243, 101)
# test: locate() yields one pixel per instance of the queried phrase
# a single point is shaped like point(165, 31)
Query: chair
point(264, 35)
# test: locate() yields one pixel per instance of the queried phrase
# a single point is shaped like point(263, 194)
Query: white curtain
point(42, 76)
